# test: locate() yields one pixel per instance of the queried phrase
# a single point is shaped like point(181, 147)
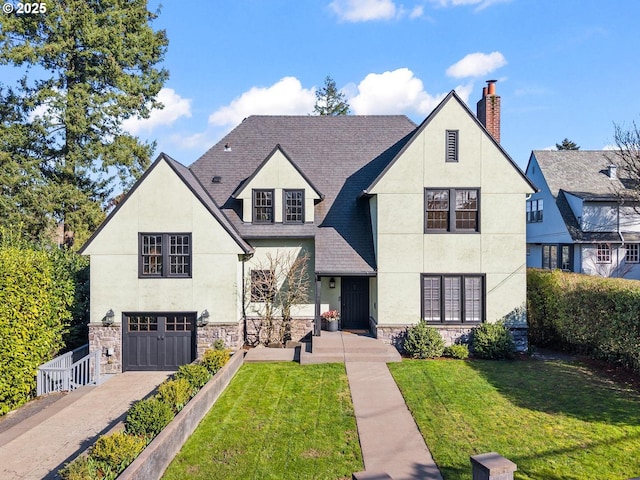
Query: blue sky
point(565, 68)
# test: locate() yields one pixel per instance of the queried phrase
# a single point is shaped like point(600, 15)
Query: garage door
point(158, 341)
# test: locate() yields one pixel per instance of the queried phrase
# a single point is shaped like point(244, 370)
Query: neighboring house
point(400, 222)
point(582, 219)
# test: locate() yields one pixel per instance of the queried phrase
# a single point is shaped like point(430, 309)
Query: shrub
point(585, 314)
point(196, 374)
point(423, 341)
point(218, 344)
point(175, 393)
point(31, 322)
point(214, 360)
point(148, 417)
point(493, 341)
point(117, 450)
point(458, 351)
point(86, 468)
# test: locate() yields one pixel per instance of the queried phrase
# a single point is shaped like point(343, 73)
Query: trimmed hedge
point(591, 315)
point(42, 291)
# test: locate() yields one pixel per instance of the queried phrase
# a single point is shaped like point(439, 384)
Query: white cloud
point(371, 10)
point(363, 10)
point(480, 4)
point(286, 97)
point(396, 92)
point(417, 12)
point(175, 107)
point(476, 64)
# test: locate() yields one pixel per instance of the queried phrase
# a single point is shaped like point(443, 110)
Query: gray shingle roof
point(580, 172)
point(341, 155)
point(583, 173)
point(196, 188)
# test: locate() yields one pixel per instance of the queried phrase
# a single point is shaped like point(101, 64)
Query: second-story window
point(452, 210)
point(165, 255)
point(263, 206)
point(293, 206)
point(534, 210)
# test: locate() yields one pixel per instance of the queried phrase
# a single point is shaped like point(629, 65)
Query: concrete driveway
point(39, 445)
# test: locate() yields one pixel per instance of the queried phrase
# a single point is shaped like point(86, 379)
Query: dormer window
point(293, 206)
point(263, 206)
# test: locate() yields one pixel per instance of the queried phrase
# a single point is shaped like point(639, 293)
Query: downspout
point(245, 337)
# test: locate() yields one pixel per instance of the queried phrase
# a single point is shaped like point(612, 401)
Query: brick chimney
point(489, 110)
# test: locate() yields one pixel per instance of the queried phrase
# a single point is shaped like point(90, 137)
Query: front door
point(355, 303)
point(153, 341)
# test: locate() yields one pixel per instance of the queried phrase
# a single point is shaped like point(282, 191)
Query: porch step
point(340, 347)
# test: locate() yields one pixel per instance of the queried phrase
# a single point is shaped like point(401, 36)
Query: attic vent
point(216, 179)
point(451, 145)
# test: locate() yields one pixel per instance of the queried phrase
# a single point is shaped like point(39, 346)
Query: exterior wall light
point(204, 318)
point(332, 282)
point(107, 321)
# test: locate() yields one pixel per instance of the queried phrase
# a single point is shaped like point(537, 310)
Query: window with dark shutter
point(453, 298)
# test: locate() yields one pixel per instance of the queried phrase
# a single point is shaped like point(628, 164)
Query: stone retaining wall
point(395, 335)
point(300, 327)
point(155, 459)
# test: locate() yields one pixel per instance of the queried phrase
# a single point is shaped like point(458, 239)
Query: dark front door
point(355, 302)
point(154, 341)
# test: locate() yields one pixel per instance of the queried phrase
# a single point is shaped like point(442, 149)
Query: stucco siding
point(283, 251)
point(163, 204)
point(405, 251)
point(277, 173)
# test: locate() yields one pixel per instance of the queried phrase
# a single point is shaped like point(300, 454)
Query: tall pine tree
point(88, 65)
point(329, 100)
point(567, 145)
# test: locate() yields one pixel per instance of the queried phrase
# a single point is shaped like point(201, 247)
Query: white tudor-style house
point(582, 219)
point(400, 222)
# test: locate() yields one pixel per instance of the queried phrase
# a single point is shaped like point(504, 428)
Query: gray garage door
point(158, 341)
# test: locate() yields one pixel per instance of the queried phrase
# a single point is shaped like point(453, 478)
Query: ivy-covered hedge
point(39, 289)
point(596, 316)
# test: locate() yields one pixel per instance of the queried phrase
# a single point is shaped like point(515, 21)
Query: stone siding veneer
point(104, 338)
point(451, 334)
point(300, 327)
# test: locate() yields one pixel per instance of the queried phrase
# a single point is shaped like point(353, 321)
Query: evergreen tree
point(330, 101)
point(88, 66)
point(567, 145)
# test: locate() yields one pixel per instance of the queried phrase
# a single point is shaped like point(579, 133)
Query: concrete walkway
point(389, 437)
point(37, 447)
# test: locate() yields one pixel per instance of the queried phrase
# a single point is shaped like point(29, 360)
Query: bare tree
point(274, 288)
point(626, 157)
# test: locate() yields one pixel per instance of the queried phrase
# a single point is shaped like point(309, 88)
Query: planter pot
point(332, 326)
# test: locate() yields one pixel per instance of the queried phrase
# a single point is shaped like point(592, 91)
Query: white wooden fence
point(69, 371)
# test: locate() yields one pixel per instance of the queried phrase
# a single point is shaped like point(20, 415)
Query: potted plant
point(331, 317)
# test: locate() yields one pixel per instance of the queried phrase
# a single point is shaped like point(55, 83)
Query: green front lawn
point(278, 421)
point(555, 420)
